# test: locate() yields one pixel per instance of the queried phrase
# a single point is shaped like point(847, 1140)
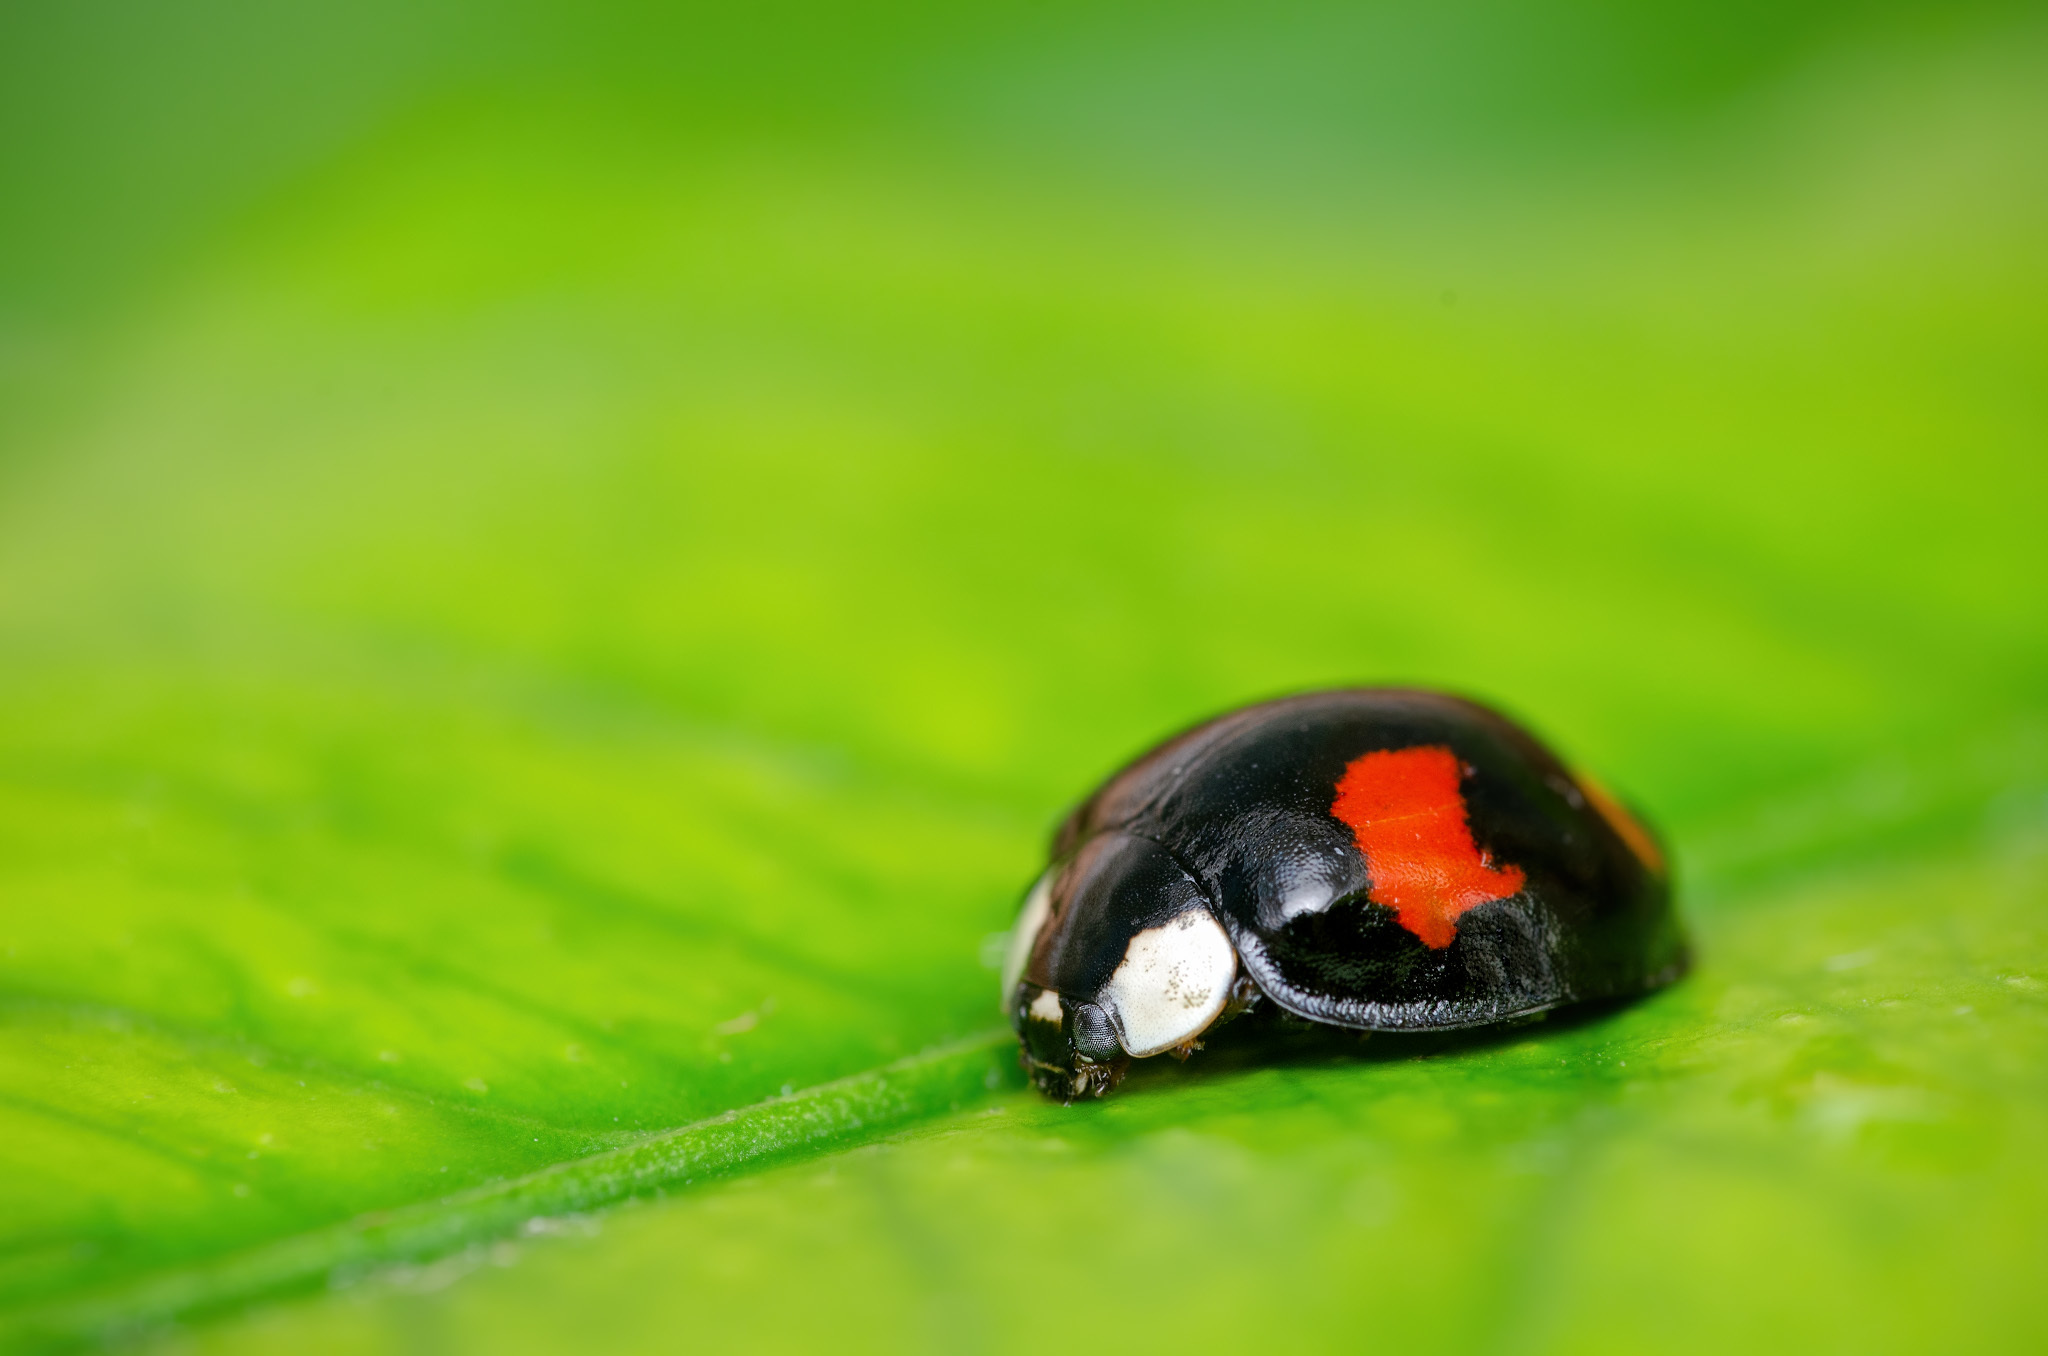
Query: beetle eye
point(1093, 1036)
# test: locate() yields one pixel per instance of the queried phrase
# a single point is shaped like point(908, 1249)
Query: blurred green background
point(557, 568)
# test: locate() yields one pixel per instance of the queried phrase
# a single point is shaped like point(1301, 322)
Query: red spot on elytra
point(1405, 809)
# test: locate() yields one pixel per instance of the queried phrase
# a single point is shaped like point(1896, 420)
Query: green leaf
point(555, 573)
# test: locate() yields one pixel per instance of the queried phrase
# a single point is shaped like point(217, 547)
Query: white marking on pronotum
point(1025, 935)
point(1173, 981)
point(1046, 1007)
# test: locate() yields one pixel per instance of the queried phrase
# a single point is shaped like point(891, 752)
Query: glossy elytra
point(1379, 859)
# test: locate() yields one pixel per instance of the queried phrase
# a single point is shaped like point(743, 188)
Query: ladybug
point(1378, 859)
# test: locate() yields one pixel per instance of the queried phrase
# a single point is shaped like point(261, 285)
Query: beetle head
point(1116, 955)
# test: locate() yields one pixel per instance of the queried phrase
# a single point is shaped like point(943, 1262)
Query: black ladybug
point(1378, 859)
